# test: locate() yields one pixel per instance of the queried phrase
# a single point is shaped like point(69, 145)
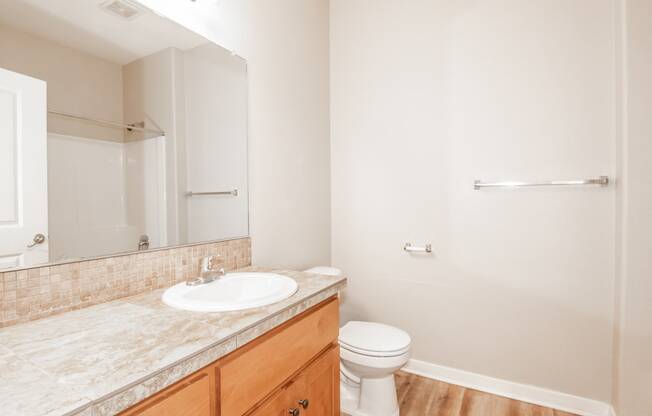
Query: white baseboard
point(521, 392)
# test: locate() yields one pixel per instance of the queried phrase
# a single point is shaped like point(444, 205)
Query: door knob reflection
point(38, 239)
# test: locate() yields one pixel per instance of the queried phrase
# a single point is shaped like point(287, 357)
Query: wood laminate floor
point(420, 396)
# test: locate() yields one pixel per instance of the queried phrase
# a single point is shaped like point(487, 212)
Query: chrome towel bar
point(232, 193)
point(601, 181)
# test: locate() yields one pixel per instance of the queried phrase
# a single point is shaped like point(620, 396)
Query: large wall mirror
point(120, 131)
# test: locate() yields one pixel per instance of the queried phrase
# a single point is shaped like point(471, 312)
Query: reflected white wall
point(103, 195)
point(150, 95)
point(145, 188)
point(289, 142)
point(215, 90)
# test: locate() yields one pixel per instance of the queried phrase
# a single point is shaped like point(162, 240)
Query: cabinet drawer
point(250, 375)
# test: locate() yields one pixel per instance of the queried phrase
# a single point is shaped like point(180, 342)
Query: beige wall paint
point(148, 84)
point(633, 364)
point(285, 43)
point(427, 96)
point(286, 46)
point(78, 83)
point(150, 88)
point(216, 89)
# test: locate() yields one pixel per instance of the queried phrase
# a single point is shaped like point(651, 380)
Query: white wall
point(428, 96)
point(78, 82)
point(215, 89)
point(150, 85)
point(86, 184)
point(145, 189)
point(633, 364)
point(103, 195)
point(285, 43)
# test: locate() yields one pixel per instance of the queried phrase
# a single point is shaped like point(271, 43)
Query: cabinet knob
point(294, 412)
point(304, 403)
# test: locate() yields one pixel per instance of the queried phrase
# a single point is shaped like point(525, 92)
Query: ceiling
point(84, 25)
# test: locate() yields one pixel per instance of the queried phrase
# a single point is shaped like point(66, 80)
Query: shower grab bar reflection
point(232, 193)
point(601, 181)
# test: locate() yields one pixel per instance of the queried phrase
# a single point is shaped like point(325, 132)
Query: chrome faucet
point(207, 274)
point(143, 242)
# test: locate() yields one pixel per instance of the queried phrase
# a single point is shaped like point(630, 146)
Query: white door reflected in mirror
point(23, 170)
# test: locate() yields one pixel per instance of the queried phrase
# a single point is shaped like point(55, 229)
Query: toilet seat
point(375, 354)
point(374, 340)
point(374, 362)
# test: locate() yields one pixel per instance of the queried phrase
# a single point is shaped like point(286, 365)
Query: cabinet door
point(191, 399)
point(280, 404)
point(252, 373)
point(322, 386)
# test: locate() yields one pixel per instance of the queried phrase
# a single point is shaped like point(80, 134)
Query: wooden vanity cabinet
point(291, 371)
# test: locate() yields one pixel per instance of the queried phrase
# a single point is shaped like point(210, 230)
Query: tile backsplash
point(36, 293)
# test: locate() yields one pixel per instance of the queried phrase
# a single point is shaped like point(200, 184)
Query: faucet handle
point(207, 262)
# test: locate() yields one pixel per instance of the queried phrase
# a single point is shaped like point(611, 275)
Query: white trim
point(521, 392)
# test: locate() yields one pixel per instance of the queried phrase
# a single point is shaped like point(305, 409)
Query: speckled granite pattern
point(103, 359)
point(19, 379)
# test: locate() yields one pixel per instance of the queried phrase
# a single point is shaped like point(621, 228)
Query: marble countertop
point(103, 359)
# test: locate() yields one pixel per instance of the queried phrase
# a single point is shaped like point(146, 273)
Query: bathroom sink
point(232, 292)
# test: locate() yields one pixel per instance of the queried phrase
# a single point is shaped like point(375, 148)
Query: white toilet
point(370, 354)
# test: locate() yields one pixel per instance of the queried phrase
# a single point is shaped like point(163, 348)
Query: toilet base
point(372, 397)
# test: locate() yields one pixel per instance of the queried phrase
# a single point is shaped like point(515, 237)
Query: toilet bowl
point(370, 354)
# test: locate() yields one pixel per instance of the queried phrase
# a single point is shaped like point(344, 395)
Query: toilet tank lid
point(374, 338)
point(328, 271)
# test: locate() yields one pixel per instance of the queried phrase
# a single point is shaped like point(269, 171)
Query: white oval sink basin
point(233, 292)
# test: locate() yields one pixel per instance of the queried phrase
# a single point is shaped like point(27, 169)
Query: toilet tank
point(345, 312)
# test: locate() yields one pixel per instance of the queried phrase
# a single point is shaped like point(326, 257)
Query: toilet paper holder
point(417, 249)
